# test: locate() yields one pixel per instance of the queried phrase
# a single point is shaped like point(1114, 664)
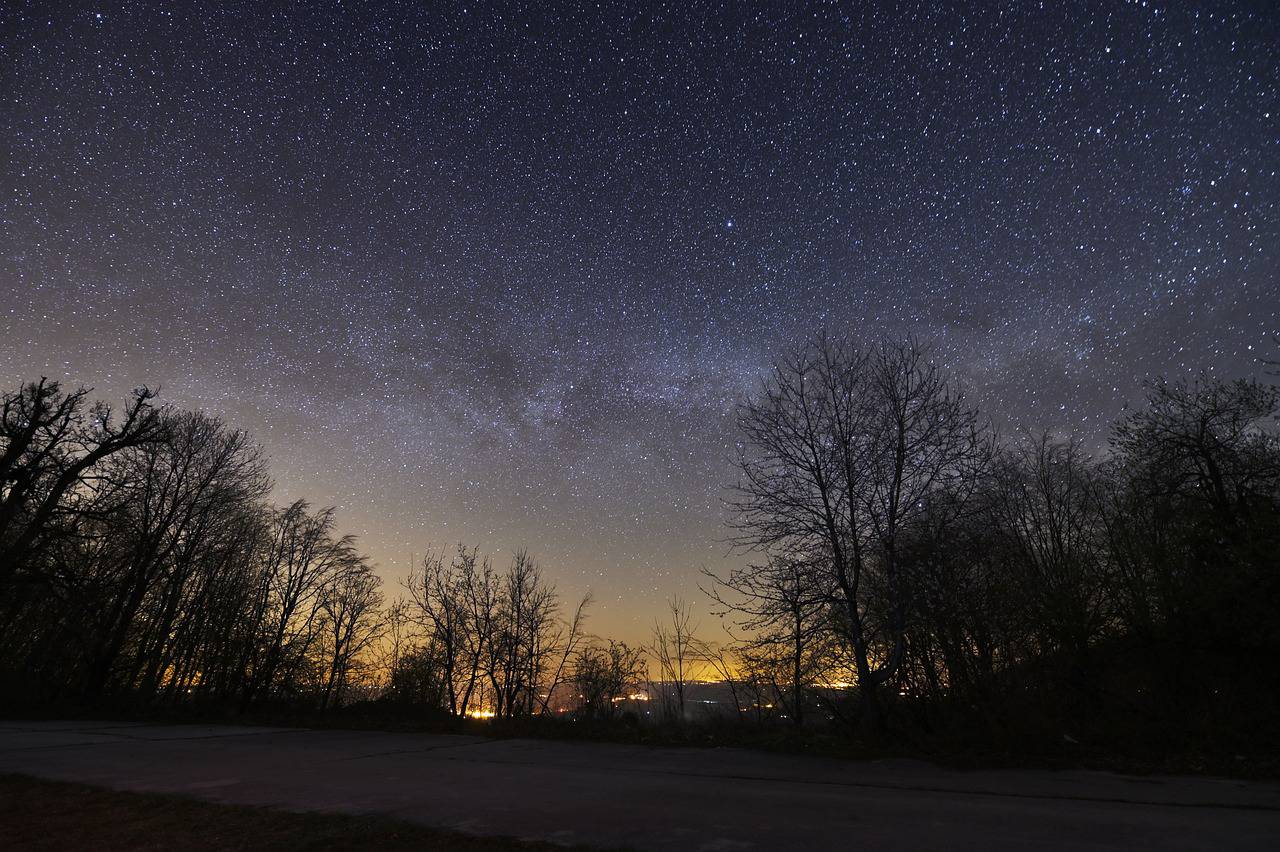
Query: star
point(482, 273)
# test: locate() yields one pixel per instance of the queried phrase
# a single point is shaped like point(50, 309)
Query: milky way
point(499, 274)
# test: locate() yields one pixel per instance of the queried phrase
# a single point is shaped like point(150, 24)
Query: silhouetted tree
point(677, 651)
point(1194, 514)
point(500, 640)
point(351, 603)
point(603, 673)
point(49, 442)
point(841, 450)
point(783, 609)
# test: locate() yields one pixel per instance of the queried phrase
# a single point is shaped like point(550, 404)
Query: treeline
point(472, 641)
point(139, 556)
point(141, 560)
point(949, 574)
point(911, 570)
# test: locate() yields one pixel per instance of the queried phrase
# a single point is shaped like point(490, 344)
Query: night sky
point(499, 274)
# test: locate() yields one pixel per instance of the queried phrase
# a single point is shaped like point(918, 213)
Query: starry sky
point(499, 273)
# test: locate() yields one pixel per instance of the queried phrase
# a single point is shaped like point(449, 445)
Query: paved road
point(651, 799)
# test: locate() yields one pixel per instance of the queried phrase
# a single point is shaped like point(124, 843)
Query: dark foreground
point(624, 796)
point(38, 815)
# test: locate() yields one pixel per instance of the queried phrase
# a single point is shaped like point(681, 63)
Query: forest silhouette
point(913, 580)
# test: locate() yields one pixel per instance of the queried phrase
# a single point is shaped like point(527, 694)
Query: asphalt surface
point(651, 799)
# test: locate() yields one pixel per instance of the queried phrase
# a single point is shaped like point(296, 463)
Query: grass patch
point(51, 815)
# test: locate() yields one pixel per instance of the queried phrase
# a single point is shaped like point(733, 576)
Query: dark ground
point(52, 815)
point(650, 798)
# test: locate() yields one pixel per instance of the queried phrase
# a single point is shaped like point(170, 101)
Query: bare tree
point(1047, 514)
point(179, 494)
point(1207, 442)
point(138, 556)
point(455, 604)
point(1192, 514)
point(565, 642)
point(523, 638)
point(604, 674)
point(726, 662)
point(677, 651)
point(397, 638)
point(351, 603)
point(841, 450)
point(783, 607)
point(49, 443)
point(501, 642)
point(302, 558)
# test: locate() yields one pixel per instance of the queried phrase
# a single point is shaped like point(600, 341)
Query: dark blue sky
point(499, 273)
